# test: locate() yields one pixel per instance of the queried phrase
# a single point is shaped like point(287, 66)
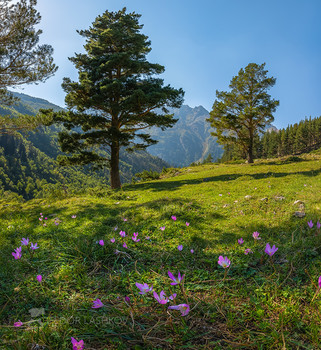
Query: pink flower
point(183, 308)
point(310, 223)
point(101, 242)
point(73, 216)
point(125, 245)
point(18, 324)
point(192, 251)
point(162, 228)
point(318, 225)
point(161, 298)
point(270, 251)
point(224, 262)
point(187, 224)
point(34, 246)
point(97, 304)
point(134, 238)
point(25, 241)
point(112, 240)
point(144, 288)
point(240, 241)
point(173, 217)
point(39, 278)
point(319, 282)
point(175, 280)
point(180, 247)
point(17, 253)
point(147, 237)
point(122, 233)
point(247, 251)
point(125, 220)
point(127, 299)
point(256, 235)
point(173, 296)
point(77, 345)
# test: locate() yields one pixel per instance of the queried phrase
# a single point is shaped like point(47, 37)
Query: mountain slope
point(188, 141)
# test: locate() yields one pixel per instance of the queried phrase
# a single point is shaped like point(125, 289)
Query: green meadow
point(258, 302)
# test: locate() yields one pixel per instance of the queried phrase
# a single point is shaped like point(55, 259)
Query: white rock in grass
point(299, 214)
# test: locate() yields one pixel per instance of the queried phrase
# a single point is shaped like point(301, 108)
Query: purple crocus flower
point(187, 224)
point(248, 251)
point(143, 287)
point(162, 228)
point(270, 251)
point(173, 296)
point(240, 241)
point(134, 238)
point(73, 216)
point(39, 278)
point(125, 245)
point(18, 324)
point(183, 308)
point(34, 246)
point(17, 253)
point(122, 233)
point(310, 223)
point(97, 304)
point(112, 240)
point(127, 299)
point(25, 241)
point(180, 247)
point(256, 235)
point(175, 280)
point(101, 242)
point(318, 225)
point(192, 251)
point(161, 298)
point(224, 262)
point(319, 282)
point(173, 217)
point(77, 345)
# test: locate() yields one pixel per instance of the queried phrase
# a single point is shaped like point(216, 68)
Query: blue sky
point(203, 44)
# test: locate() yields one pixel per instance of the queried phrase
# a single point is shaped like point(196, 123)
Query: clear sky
point(203, 44)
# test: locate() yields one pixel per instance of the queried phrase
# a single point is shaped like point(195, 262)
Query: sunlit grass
point(258, 302)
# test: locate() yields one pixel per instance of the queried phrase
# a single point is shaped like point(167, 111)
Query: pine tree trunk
point(250, 152)
point(114, 166)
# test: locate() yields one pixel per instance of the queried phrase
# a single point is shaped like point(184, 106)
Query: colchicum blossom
point(192, 251)
point(101, 242)
point(173, 217)
point(187, 224)
point(318, 225)
point(180, 247)
point(17, 253)
point(125, 245)
point(224, 262)
point(39, 278)
point(175, 280)
point(247, 251)
point(18, 324)
point(183, 308)
point(134, 238)
point(161, 298)
point(319, 282)
point(122, 233)
point(25, 241)
point(310, 223)
point(73, 216)
point(256, 235)
point(162, 228)
point(143, 287)
point(34, 246)
point(240, 241)
point(97, 304)
point(112, 240)
point(270, 251)
point(77, 345)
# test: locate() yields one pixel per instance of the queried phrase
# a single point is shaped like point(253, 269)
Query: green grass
point(261, 303)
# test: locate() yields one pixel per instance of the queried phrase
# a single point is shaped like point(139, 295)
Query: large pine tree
point(247, 108)
point(117, 95)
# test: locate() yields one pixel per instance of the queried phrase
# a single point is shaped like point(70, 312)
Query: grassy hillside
point(258, 302)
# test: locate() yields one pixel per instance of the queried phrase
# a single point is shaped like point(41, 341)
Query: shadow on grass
point(158, 186)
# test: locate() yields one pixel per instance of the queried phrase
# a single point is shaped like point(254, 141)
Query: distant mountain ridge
point(189, 140)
